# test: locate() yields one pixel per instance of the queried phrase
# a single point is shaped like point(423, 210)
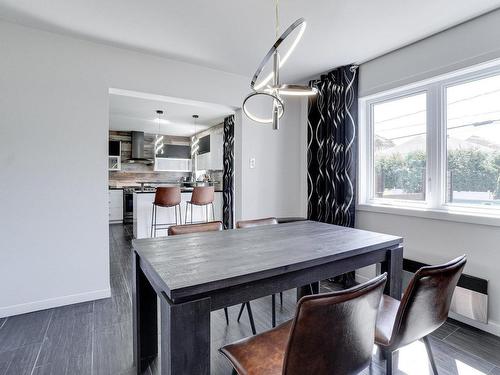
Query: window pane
point(473, 143)
point(400, 148)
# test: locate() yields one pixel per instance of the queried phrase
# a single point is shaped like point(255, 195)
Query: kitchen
point(163, 143)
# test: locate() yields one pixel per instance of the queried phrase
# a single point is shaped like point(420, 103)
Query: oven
point(128, 205)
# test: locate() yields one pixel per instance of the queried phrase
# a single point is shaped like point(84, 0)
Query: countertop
point(183, 190)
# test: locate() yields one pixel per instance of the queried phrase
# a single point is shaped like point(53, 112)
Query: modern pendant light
point(194, 139)
point(270, 85)
point(159, 138)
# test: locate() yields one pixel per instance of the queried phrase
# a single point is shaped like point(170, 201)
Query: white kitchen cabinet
point(213, 160)
point(216, 150)
point(171, 164)
point(115, 205)
point(203, 161)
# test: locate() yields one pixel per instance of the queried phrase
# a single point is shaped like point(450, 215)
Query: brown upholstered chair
point(251, 224)
point(331, 333)
point(201, 196)
point(167, 196)
point(256, 222)
point(213, 226)
point(423, 309)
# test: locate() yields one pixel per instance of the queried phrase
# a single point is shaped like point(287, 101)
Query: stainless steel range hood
point(138, 149)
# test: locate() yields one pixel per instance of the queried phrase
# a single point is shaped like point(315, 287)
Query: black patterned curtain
point(228, 175)
point(331, 151)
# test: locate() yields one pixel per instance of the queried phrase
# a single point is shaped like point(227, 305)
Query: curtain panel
point(332, 147)
point(228, 174)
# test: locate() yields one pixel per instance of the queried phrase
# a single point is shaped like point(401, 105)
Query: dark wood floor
point(96, 337)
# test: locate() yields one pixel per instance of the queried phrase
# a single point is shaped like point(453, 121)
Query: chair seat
point(262, 354)
point(385, 320)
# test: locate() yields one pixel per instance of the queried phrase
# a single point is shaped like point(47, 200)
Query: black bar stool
point(166, 197)
point(201, 196)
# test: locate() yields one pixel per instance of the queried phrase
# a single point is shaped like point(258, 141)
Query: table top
point(204, 262)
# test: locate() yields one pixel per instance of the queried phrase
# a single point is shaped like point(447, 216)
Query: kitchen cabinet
point(217, 150)
point(114, 156)
point(213, 160)
point(115, 205)
point(203, 161)
point(171, 164)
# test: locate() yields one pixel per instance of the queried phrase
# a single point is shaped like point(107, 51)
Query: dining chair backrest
point(426, 302)
point(202, 195)
point(167, 196)
point(256, 222)
point(211, 226)
point(333, 333)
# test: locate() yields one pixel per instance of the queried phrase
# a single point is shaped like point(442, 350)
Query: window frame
point(434, 205)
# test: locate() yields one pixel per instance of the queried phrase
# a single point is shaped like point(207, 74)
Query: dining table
point(191, 275)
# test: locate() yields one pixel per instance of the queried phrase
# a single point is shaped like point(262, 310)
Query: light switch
point(252, 163)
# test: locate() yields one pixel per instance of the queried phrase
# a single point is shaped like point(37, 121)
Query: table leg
point(185, 337)
point(307, 290)
point(394, 268)
point(145, 317)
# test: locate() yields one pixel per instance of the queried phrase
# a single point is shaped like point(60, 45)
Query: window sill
point(452, 214)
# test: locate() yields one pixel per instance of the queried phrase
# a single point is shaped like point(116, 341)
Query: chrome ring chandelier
point(275, 89)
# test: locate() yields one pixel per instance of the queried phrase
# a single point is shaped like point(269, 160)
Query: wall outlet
point(252, 163)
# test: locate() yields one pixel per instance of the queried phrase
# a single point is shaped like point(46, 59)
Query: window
point(400, 148)
point(473, 142)
point(434, 145)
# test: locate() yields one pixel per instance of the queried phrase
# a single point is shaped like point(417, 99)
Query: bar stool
point(165, 197)
point(201, 196)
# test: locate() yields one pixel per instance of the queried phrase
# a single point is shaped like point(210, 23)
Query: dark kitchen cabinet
point(175, 152)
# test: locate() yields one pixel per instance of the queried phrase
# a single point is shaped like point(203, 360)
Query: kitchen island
point(143, 207)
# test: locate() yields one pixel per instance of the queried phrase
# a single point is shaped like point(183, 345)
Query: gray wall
point(427, 240)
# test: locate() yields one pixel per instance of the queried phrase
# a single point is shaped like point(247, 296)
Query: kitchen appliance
point(138, 149)
point(128, 205)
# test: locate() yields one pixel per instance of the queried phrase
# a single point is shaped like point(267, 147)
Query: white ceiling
point(138, 112)
point(233, 35)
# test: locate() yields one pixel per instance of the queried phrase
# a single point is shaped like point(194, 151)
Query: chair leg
point(273, 310)
point(152, 216)
point(156, 211)
point(191, 214)
point(186, 214)
point(281, 299)
point(213, 212)
point(250, 317)
point(388, 362)
point(430, 355)
point(241, 311)
point(227, 315)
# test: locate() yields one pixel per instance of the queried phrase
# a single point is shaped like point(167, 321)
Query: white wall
point(53, 147)
point(470, 43)
point(426, 240)
point(275, 187)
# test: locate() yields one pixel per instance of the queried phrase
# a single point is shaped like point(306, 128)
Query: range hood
point(138, 150)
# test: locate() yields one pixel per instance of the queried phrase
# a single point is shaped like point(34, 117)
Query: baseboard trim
point(492, 327)
point(54, 302)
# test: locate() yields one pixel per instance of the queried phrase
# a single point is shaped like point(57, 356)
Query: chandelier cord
point(277, 19)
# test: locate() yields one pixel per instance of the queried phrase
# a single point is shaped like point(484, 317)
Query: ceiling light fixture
point(159, 138)
point(275, 90)
point(194, 139)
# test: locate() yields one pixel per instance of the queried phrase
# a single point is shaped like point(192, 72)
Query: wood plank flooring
point(96, 337)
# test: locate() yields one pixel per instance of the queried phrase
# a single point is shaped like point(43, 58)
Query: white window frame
point(435, 205)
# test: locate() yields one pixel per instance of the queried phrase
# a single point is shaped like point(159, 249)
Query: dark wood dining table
point(195, 274)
